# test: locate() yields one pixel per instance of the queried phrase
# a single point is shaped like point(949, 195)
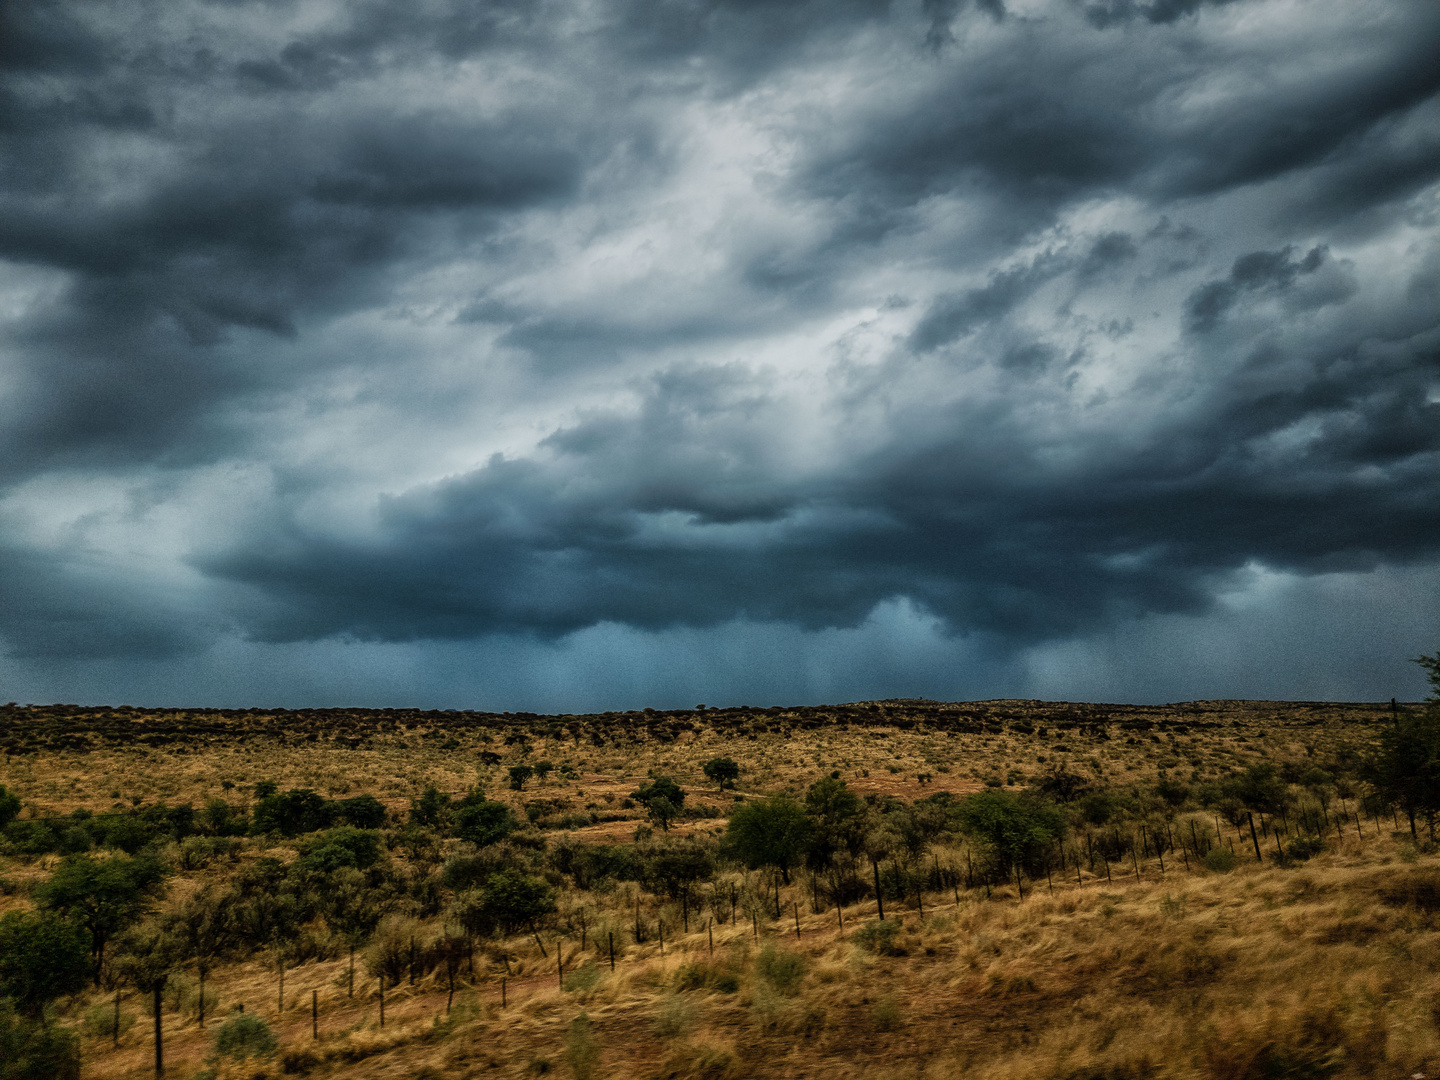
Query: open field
point(1124, 957)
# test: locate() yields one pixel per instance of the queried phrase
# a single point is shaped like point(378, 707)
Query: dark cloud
point(1109, 251)
point(956, 314)
point(674, 516)
point(1128, 119)
point(1257, 272)
point(244, 221)
point(57, 609)
point(1116, 12)
point(669, 321)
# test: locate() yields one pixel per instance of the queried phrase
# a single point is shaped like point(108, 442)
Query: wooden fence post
point(159, 1042)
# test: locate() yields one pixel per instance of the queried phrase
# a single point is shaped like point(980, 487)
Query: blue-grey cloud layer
point(442, 322)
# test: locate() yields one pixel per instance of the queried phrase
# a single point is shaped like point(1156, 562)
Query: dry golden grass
point(1329, 968)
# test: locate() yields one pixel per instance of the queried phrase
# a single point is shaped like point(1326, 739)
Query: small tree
point(147, 955)
point(544, 769)
point(298, 811)
point(1015, 832)
point(344, 846)
point(511, 900)
point(662, 811)
point(772, 832)
point(482, 821)
point(9, 806)
point(838, 816)
point(674, 867)
point(351, 910)
point(432, 809)
point(203, 928)
point(1431, 664)
point(1260, 787)
point(723, 771)
point(389, 951)
point(662, 798)
point(363, 812)
point(217, 817)
point(103, 895)
point(42, 957)
point(518, 775)
point(1405, 767)
point(34, 1050)
point(1061, 784)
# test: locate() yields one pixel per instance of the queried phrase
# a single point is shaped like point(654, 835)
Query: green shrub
point(245, 1035)
point(294, 813)
point(42, 957)
point(363, 812)
point(878, 937)
point(695, 976)
point(1306, 847)
point(345, 846)
point(766, 1009)
point(182, 995)
point(31, 837)
point(780, 968)
point(300, 1062)
point(512, 899)
point(482, 821)
point(581, 1053)
point(98, 1021)
point(706, 976)
point(36, 1049)
point(194, 853)
point(1220, 860)
point(9, 806)
point(675, 1017)
point(431, 810)
point(582, 978)
point(886, 1014)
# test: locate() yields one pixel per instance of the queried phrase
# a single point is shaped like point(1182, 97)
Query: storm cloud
point(347, 350)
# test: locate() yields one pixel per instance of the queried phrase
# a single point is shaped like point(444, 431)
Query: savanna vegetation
point(1218, 890)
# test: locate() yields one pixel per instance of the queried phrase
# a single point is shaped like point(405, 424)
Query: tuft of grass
point(782, 969)
point(245, 1035)
point(98, 1020)
point(885, 1014)
point(675, 1018)
point(583, 978)
point(879, 937)
point(582, 1053)
point(1220, 860)
point(699, 1062)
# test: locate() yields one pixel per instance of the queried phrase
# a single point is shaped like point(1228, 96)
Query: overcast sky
point(594, 354)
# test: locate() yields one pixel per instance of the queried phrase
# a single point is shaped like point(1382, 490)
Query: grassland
point(1325, 966)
